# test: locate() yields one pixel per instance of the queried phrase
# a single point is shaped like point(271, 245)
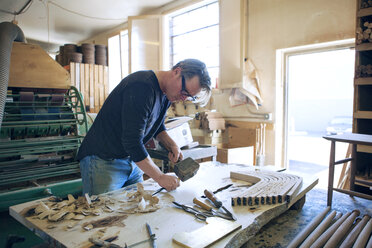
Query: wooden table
point(354, 139)
point(170, 220)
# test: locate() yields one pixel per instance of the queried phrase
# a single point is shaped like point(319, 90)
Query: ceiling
point(51, 23)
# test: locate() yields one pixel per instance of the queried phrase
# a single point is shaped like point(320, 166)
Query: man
point(132, 114)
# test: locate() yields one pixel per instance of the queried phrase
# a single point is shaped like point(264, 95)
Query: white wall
point(278, 24)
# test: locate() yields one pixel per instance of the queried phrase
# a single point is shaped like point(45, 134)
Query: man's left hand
point(175, 154)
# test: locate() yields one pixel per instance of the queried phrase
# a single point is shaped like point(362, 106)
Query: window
point(194, 33)
point(118, 58)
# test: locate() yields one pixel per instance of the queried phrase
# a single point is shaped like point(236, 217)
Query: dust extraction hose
point(9, 32)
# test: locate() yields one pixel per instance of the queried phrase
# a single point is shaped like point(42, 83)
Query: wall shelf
point(363, 114)
point(364, 12)
point(363, 47)
point(363, 81)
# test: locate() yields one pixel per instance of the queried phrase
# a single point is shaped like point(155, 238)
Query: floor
point(281, 230)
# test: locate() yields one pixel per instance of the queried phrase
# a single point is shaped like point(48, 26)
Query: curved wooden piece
point(342, 230)
point(308, 229)
point(319, 230)
point(364, 235)
point(268, 187)
point(353, 235)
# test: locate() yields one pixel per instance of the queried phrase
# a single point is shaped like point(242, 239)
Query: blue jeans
point(101, 176)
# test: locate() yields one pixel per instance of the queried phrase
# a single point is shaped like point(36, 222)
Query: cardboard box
point(239, 155)
point(179, 130)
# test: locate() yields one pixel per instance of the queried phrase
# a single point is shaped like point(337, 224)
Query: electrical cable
point(91, 17)
point(21, 11)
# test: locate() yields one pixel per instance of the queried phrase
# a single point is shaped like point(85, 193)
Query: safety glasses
point(184, 91)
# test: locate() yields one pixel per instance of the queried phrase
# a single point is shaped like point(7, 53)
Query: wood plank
point(30, 65)
point(168, 220)
point(86, 84)
point(91, 88)
point(96, 89)
point(363, 81)
point(216, 229)
point(363, 114)
point(72, 74)
point(105, 81)
point(101, 86)
point(364, 12)
point(364, 148)
point(364, 47)
point(82, 79)
point(77, 76)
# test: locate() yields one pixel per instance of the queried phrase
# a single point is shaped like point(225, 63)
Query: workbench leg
point(353, 167)
point(331, 173)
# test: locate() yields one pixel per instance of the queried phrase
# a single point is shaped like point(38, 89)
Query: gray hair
point(194, 67)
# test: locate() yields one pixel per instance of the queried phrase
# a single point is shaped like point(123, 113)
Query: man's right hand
point(169, 181)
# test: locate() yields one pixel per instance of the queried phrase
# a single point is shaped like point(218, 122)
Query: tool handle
point(202, 204)
point(213, 198)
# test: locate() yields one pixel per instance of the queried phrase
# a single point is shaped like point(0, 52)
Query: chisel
point(217, 202)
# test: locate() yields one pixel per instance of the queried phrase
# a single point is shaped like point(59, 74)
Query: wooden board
point(216, 229)
point(31, 66)
point(168, 220)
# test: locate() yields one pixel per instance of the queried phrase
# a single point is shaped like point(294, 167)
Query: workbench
point(169, 220)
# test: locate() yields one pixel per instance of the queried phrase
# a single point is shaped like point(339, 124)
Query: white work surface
point(168, 220)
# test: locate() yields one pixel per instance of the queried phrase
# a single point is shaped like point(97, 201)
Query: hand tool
point(211, 212)
point(198, 214)
point(151, 239)
point(152, 236)
point(217, 203)
point(185, 170)
point(219, 190)
point(103, 243)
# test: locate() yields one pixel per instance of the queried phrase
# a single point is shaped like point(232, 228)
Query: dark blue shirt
point(132, 114)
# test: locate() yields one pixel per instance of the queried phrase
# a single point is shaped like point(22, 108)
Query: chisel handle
point(213, 198)
point(202, 204)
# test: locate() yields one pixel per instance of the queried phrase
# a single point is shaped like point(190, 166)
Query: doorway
point(319, 102)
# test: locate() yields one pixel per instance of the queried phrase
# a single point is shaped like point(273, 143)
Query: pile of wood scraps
point(212, 121)
point(267, 188)
point(74, 210)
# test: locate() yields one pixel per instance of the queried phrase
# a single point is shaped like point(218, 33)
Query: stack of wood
point(364, 34)
point(92, 82)
point(212, 121)
point(363, 71)
point(366, 4)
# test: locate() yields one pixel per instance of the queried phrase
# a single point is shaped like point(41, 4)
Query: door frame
point(281, 106)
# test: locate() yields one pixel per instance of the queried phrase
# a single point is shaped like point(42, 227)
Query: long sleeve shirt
point(132, 114)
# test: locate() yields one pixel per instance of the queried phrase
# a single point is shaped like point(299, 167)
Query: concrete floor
point(281, 230)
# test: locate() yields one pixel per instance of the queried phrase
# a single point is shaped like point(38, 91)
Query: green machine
point(40, 135)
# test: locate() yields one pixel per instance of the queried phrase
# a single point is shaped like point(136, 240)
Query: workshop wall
point(273, 25)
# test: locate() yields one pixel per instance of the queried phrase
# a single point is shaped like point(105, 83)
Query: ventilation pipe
point(9, 32)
